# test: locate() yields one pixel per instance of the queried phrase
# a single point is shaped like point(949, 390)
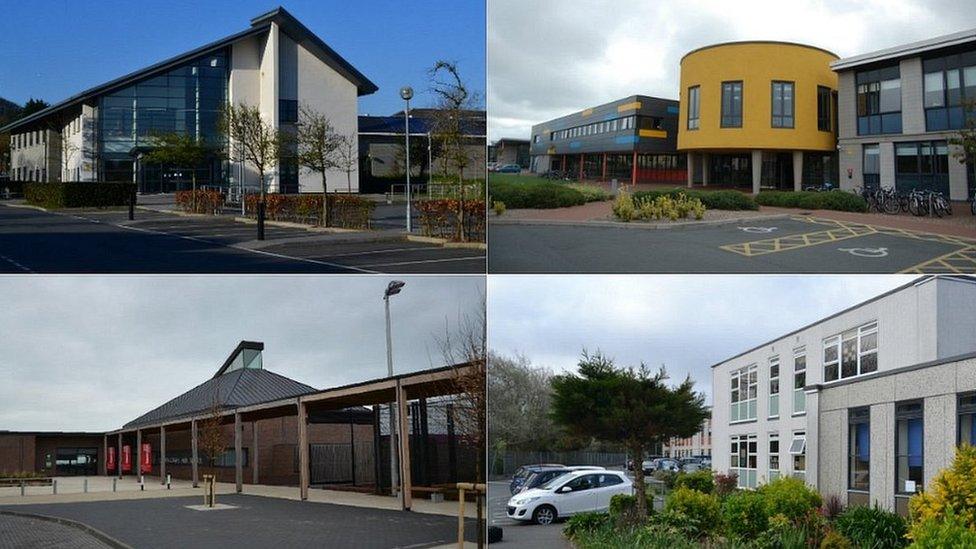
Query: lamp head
point(394, 288)
point(406, 93)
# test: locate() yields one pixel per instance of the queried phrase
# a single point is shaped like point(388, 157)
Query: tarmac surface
point(20, 531)
point(517, 534)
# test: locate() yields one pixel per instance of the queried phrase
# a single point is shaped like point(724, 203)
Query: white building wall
point(245, 88)
point(268, 102)
point(34, 151)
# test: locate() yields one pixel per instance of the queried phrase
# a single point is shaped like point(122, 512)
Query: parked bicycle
point(925, 202)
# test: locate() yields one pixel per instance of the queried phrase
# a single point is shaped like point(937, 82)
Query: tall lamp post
point(392, 289)
point(406, 93)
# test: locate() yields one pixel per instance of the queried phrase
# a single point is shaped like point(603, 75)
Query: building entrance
point(76, 461)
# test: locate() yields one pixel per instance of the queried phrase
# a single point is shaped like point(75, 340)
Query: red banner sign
point(126, 458)
point(110, 459)
point(145, 458)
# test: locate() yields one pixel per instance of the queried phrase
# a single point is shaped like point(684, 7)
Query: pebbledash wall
point(276, 65)
point(867, 404)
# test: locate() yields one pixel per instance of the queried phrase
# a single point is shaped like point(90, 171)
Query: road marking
point(758, 229)
point(866, 252)
point(16, 264)
point(389, 250)
point(469, 258)
point(797, 241)
point(957, 262)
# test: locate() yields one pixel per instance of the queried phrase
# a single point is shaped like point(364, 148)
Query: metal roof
point(420, 123)
point(905, 50)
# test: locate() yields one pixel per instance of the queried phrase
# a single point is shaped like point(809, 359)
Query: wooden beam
point(193, 446)
point(254, 452)
point(238, 458)
point(138, 453)
point(302, 450)
point(162, 455)
point(118, 458)
point(406, 496)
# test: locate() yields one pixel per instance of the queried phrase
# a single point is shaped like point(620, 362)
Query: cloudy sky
point(90, 353)
point(548, 58)
point(686, 322)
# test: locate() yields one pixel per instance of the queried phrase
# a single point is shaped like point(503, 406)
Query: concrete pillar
point(194, 458)
point(138, 464)
point(756, 171)
point(882, 451)
point(813, 438)
point(798, 170)
point(706, 168)
point(633, 170)
point(581, 162)
point(939, 435)
point(118, 458)
point(254, 452)
point(690, 162)
point(886, 156)
point(238, 458)
point(302, 451)
point(406, 497)
point(162, 455)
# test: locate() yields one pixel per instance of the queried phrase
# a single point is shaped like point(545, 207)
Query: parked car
point(492, 166)
point(630, 462)
point(691, 464)
point(509, 168)
point(661, 464)
point(567, 495)
point(523, 473)
point(546, 474)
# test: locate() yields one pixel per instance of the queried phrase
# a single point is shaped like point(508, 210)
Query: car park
point(544, 475)
point(661, 464)
point(567, 495)
point(525, 471)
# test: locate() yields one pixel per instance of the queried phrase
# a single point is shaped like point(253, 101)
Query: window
point(798, 449)
point(799, 381)
point(871, 165)
point(966, 408)
point(774, 387)
point(782, 104)
point(744, 459)
point(609, 480)
point(694, 106)
point(743, 389)
point(859, 449)
point(535, 138)
point(732, 104)
point(909, 441)
point(227, 458)
point(824, 111)
point(288, 111)
point(879, 101)
point(852, 353)
point(949, 82)
point(773, 456)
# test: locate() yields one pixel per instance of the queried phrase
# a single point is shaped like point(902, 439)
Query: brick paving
point(28, 532)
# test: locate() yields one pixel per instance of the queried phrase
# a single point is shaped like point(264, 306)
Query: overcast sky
point(548, 58)
point(685, 322)
point(91, 353)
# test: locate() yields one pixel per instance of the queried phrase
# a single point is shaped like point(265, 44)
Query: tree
point(33, 106)
point(257, 143)
point(453, 98)
point(180, 150)
point(317, 148)
point(346, 158)
point(966, 140)
point(212, 436)
point(68, 150)
point(519, 405)
point(628, 406)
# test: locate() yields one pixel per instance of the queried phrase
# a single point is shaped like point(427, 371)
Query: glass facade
point(909, 440)
point(187, 100)
point(950, 82)
point(879, 101)
point(923, 165)
point(859, 449)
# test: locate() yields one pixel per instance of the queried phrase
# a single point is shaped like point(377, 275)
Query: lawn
point(529, 191)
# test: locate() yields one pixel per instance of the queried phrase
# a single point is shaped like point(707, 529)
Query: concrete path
point(25, 531)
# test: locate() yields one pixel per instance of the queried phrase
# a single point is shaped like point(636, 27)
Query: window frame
point(903, 413)
point(749, 372)
point(837, 341)
point(825, 110)
point(732, 116)
point(774, 376)
point(694, 107)
point(782, 97)
point(771, 454)
point(799, 393)
point(801, 437)
point(855, 418)
point(751, 454)
point(966, 409)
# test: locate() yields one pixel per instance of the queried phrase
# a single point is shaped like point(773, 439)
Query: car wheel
point(544, 514)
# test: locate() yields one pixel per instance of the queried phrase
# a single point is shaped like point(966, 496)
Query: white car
point(566, 495)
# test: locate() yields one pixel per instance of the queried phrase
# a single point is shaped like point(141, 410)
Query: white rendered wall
point(245, 88)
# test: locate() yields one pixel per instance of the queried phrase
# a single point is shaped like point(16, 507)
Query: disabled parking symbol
point(866, 252)
point(758, 229)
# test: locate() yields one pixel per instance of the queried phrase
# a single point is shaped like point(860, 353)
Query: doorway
point(76, 461)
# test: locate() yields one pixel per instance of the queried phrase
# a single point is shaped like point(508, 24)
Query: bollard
point(168, 479)
point(22, 488)
point(86, 485)
point(142, 483)
point(54, 486)
point(114, 480)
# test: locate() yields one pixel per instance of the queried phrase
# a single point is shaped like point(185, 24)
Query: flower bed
point(346, 211)
point(439, 218)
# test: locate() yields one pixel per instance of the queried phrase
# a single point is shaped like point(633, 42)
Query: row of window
point(29, 139)
point(782, 101)
point(607, 126)
point(745, 457)
point(24, 173)
point(911, 158)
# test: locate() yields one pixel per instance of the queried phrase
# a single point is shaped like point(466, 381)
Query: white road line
point(421, 248)
point(469, 258)
point(15, 264)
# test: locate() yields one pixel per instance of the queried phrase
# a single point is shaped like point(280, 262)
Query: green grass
point(527, 191)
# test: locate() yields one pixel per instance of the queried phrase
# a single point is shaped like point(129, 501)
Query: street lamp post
point(392, 289)
point(406, 93)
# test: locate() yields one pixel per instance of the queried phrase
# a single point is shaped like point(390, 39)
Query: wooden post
point(302, 451)
point(460, 517)
point(238, 450)
point(254, 452)
point(406, 492)
point(633, 170)
point(193, 450)
point(105, 456)
point(138, 454)
point(603, 176)
point(162, 455)
point(118, 458)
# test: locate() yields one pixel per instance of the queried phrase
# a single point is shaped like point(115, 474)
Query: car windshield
point(553, 483)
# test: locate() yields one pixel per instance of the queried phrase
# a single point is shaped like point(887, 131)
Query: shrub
point(622, 507)
point(952, 488)
point(744, 515)
point(656, 536)
point(535, 194)
point(592, 193)
point(726, 484)
point(713, 200)
point(345, 210)
point(623, 206)
point(830, 200)
point(701, 511)
point(207, 201)
point(872, 527)
point(585, 522)
point(498, 207)
point(835, 540)
point(700, 480)
point(79, 194)
point(668, 478)
point(833, 506)
point(790, 497)
point(949, 531)
point(440, 218)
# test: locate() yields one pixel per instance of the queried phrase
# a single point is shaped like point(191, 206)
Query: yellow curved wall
point(756, 65)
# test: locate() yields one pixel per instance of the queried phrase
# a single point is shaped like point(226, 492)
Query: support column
point(238, 450)
point(706, 169)
point(138, 463)
point(377, 467)
point(118, 458)
point(690, 163)
point(193, 450)
point(798, 171)
point(756, 171)
point(406, 496)
point(603, 176)
point(581, 162)
point(352, 450)
point(162, 455)
point(254, 452)
point(633, 169)
point(105, 455)
point(302, 451)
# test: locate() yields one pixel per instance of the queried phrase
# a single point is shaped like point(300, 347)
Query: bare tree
point(317, 147)
point(519, 407)
point(212, 436)
point(347, 160)
point(257, 142)
point(68, 150)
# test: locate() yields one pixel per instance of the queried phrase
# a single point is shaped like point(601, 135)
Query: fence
point(504, 464)
point(333, 463)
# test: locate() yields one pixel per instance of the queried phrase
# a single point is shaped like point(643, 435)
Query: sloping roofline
point(259, 25)
point(905, 50)
point(607, 104)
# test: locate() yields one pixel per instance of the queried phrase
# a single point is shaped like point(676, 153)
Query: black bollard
point(260, 220)
point(132, 206)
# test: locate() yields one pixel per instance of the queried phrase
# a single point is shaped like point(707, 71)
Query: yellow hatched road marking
point(797, 241)
point(957, 262)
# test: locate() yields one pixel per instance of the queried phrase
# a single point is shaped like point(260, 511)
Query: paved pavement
point(20, 531)
point(256, 522)
point(521, 534)
point(106, 242)
point(787, 245)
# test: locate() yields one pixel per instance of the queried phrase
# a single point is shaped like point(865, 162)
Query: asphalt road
point(256, 522)
point(521, 534)
point(787, 245)
point(106, 242)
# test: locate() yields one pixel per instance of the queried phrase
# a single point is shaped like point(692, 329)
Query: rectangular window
point(744, 459)
point(798, 451)
point(909, 439)
point(966, 409)
point(824, 111)
point(859, 449)
point(732, 104)
point(879, 101)
point(799, 381)
point(773, 456)
point(694, 106)
point(852, 353)
point(782, 104)
point(949, 83)
point(774, 387)
point(744, 383)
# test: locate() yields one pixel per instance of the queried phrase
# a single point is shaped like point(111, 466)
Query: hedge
point(79, 194)
point(345, 210)
point(535, 194)
point(713, 200)
point(808, 200)
point(15, 188)
point(439, 218)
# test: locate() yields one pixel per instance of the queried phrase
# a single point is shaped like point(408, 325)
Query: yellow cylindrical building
point(759, 114)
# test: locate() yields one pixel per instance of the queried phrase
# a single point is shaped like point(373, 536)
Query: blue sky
point(52, 49)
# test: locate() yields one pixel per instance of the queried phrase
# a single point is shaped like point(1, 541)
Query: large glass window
point(879, 101)
point(859, 449)
point(799, 380)
point(288, 111)
point(824, 111)
point(966, 409)
point(774, 387)
point(922, 165)
point(872, 166)
point(743, 392)
point(909, 439)
point(732, 104)
point(949, 82)
point(745, 459)
point(694, 106)
point(773, 456)
point(851, 353)
point(782, 104)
